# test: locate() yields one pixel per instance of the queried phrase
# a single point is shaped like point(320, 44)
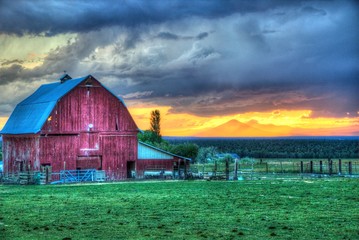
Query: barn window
point(88, 82)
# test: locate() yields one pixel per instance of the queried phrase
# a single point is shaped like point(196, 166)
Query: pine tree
point(155, 122)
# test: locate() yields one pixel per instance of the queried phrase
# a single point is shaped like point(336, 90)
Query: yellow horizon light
point(274, 123)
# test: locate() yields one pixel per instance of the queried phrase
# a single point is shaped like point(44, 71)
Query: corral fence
point(74, 176)
point(26, 177)
point(65, 176)
point(277, 168)
point(88, 175)
point(268, 169)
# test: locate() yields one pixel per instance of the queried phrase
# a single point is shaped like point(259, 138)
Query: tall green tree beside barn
point(155, 122)
point(153, 135)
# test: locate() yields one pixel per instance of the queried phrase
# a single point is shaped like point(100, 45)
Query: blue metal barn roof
point(30, 115)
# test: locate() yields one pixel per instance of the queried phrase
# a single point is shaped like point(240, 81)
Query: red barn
point(73, 124)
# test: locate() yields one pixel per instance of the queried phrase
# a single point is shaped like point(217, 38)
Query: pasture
point(261, 209)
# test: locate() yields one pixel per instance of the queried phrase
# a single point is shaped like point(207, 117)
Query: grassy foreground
point(318, 209)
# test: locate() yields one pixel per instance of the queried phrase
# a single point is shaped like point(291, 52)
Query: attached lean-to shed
point(72, 124)
point(152, 160)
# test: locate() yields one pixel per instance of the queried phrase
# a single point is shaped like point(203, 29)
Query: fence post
point(311, 166)
point(340, 167)
point(215, 167)
point(330, 163)
point(47, 176)
point(301, 167)
point(350, 168)
point(227, 169)
point(203, 170)
point(321, 166)
point(185, 169)
point(235, 170)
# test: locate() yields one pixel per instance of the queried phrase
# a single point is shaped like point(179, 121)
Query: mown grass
point(316, 209)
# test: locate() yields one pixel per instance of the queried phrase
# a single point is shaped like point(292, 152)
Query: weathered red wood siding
point(59, 151)
point(89, 127)
point(21, 152)
point(89, 105)
point(117, 151)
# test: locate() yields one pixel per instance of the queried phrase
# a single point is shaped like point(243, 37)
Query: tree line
point(280, 148)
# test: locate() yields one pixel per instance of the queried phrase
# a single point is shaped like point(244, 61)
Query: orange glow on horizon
point(251, 124)
point(261, 124)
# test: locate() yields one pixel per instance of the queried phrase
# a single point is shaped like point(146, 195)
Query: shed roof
point(30, 115)
point(147, 151)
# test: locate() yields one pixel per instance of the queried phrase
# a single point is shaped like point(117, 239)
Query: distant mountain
point(235, 128)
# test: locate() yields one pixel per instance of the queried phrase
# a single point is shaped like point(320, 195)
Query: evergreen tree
point(155, 122)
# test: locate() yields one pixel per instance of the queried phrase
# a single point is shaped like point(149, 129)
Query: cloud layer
point(206, 58)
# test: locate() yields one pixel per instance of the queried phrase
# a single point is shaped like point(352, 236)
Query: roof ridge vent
point(64, 78)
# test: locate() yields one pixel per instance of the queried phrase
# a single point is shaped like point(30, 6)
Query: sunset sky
point(213, 68)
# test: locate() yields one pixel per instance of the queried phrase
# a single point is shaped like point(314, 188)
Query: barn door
point(131, 166)
point(89, 162)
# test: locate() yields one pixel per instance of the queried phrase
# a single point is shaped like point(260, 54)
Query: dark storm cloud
point(172, 36)
point(168, 36)
point(11, 62)
point(202, 35)
point(9, 74)
point(54, 17)
point(214, 98)
point(240, 56)
point(68, 57)
point(312, 10)
point(321, 77)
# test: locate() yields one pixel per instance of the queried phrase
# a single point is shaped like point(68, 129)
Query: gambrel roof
point(30, 115)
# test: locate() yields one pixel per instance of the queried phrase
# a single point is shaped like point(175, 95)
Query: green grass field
point(262, 209)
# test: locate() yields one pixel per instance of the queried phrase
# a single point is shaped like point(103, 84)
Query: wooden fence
point(318, 167)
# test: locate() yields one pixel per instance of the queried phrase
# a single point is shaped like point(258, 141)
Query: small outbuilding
point(153, 161)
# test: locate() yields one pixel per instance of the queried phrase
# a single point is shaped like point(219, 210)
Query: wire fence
point(271, 169)
point(278, 169)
